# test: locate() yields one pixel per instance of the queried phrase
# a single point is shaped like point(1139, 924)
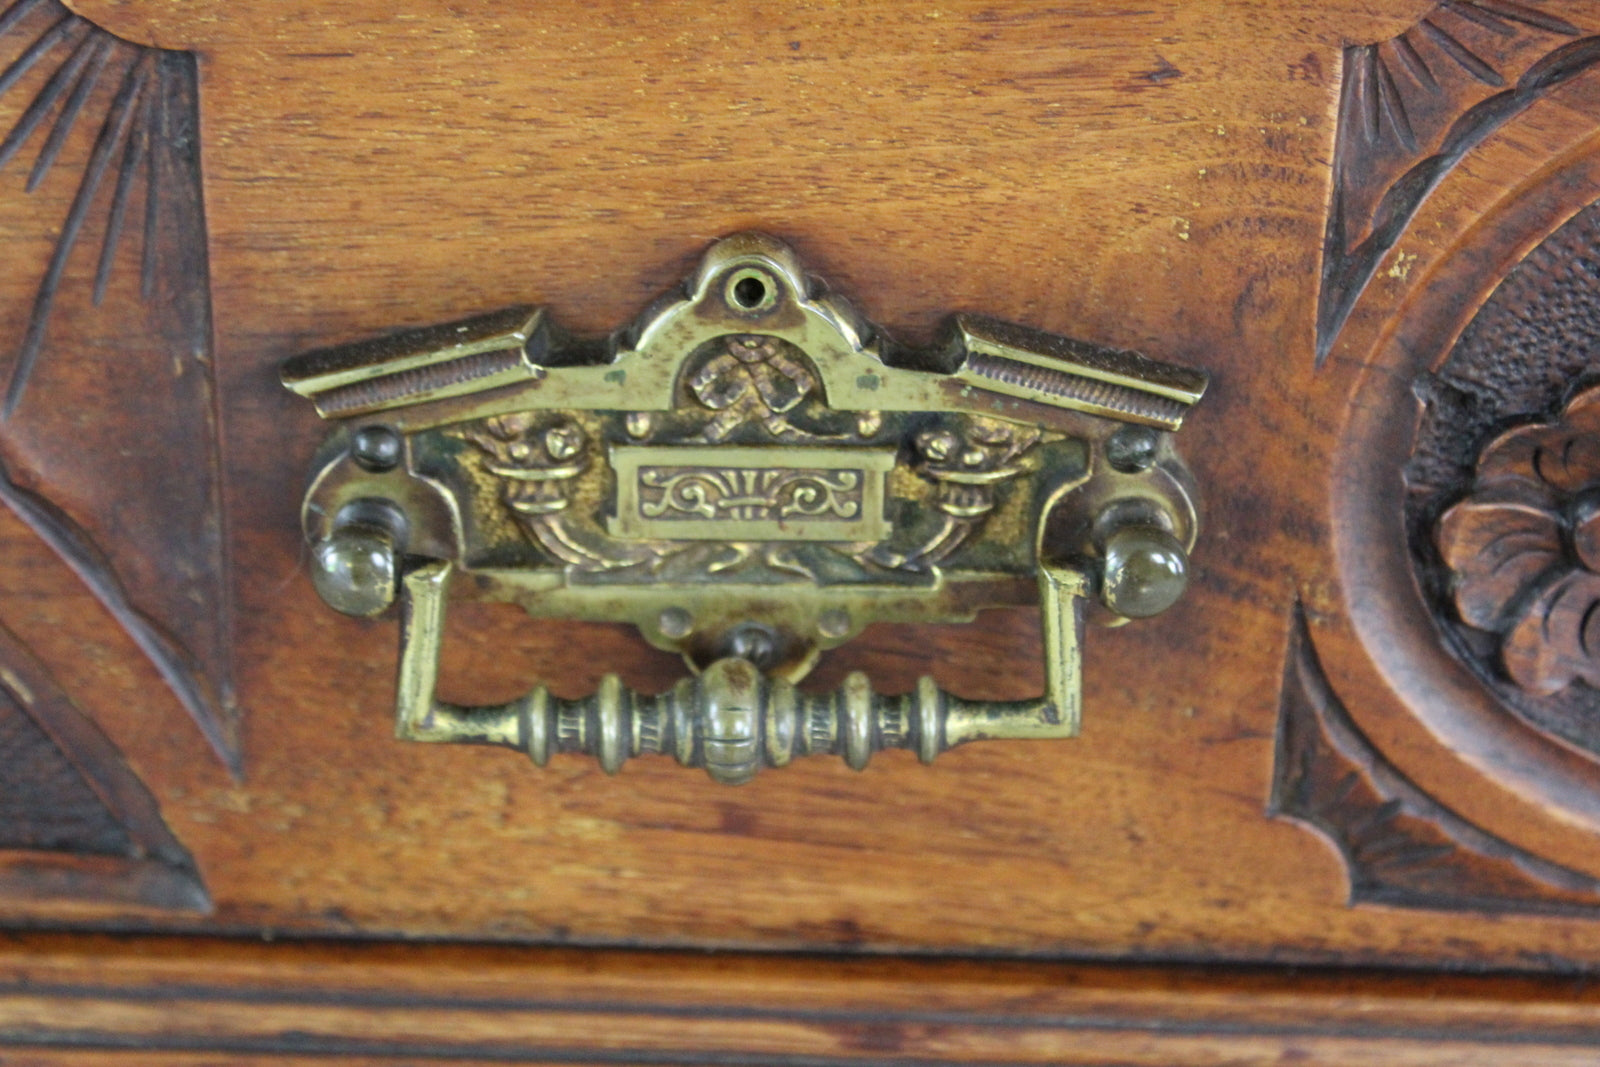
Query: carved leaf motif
point(1496, 549)
point(1561, 458)
point(1557, 641)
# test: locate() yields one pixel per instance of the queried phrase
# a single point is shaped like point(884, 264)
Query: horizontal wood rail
point(102, 1000)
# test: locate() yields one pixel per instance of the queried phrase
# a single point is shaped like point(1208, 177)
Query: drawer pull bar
point(732, 719)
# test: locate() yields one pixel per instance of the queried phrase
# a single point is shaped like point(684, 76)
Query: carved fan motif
point(1410, 110)
point(100, 148)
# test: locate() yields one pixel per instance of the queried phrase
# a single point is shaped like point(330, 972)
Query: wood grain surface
point(96, 1001)
point(1157, 178)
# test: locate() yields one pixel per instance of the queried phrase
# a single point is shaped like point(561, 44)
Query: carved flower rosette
point(1523, 549)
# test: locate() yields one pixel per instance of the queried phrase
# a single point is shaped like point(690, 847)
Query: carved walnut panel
point(1464, 480)
point(1369, 222)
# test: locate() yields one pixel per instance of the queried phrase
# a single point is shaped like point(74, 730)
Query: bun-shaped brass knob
point(1146, 571)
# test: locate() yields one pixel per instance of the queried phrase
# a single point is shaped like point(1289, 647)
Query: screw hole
point(749, 292)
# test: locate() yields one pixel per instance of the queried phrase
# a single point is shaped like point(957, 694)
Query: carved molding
point(121, 314)
point(1401, 847)
point(1411, 107)
point(75, 821)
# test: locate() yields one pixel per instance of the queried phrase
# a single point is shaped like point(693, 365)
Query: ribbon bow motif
point(753, 379)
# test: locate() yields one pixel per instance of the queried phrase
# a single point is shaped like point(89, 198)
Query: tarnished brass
point(750, 474)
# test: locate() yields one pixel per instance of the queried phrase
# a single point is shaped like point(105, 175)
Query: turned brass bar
point(731, 720)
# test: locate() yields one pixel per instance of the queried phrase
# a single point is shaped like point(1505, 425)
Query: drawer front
point(1368, 727)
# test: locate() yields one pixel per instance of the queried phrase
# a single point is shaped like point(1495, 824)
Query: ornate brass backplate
point(750, 473)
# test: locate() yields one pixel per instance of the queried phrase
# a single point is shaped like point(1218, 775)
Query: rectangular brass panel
point(727, 493)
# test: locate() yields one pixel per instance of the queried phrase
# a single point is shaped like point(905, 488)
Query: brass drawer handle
point(750, 474)
point(732, 719)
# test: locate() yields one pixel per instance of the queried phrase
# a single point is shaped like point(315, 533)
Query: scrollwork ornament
point(540, 463)
point(711, 493)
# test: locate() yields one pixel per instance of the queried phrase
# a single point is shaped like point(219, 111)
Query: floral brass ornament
point(750, 474)
point(1524, 548)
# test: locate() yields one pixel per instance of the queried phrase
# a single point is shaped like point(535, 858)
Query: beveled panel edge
point(1400, 846)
